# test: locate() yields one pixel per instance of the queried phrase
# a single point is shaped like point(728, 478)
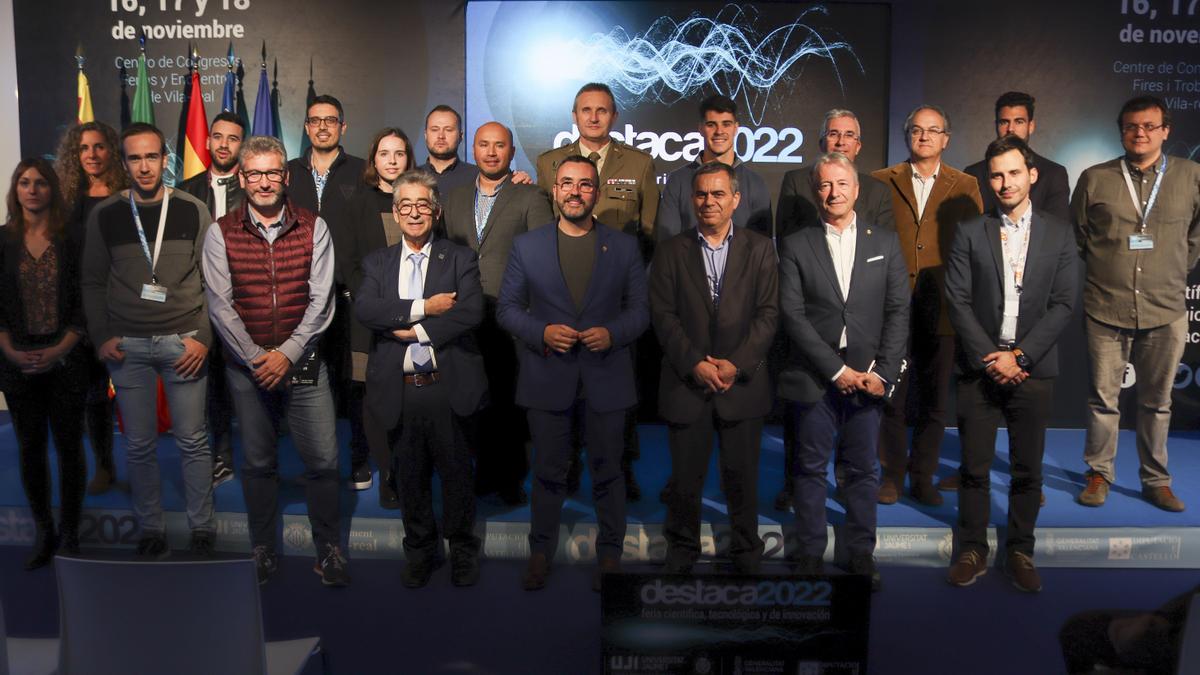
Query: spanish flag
point(195, 145)
point(84, 114)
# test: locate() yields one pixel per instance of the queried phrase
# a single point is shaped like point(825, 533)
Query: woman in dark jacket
point(371, 227)
point(44, 370)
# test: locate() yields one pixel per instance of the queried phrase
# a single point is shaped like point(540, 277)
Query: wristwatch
point(1022, 360)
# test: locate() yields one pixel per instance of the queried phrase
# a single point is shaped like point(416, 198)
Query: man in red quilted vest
point(269, 269)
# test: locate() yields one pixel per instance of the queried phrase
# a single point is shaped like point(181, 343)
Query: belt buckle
point(418, 380)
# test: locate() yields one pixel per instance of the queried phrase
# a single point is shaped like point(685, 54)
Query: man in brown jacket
point(929, 199)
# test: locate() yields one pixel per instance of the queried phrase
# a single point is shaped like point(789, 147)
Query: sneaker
point(865, 564)
point(331, 565)
point(1019, 567)
point(203, 543)
point(222, 472)
point(1162, 497)
point(265, 563)
point(418, 572)
point(1095, 492)
point(152, 547)
point(360, 477)
point(101, 482)
point(970, 566)
point(464, 568)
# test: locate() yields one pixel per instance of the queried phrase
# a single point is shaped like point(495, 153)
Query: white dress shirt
point(417, 311)
point(922, 187)
point(1014, 246)
point(218, 192)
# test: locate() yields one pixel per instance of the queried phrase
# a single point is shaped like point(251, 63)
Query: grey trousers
point(1154, 354)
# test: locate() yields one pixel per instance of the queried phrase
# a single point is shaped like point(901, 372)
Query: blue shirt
point(714, 263)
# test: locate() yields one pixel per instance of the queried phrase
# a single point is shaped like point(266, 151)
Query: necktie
point(421, 357)
point(595, 157)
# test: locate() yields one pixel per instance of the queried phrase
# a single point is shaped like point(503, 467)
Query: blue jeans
point(311, 421)
point(137, 395)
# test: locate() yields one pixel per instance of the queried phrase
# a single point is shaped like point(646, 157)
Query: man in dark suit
point(1011, 286)
point(714, 295)
point(1052, 191)
point(486, 216)
point(929, 199)
point(574, 296)
point(426, 377)
point(840, 132)
point(845, 302)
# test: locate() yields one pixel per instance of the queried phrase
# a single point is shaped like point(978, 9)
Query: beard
point(444, 156)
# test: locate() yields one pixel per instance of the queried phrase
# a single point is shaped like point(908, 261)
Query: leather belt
point(422, 379)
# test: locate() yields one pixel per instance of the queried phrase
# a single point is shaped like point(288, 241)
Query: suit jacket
point(955, 198)
point(975, 290)
point(518, 209)
point(628, 199)
point(874, 314)
point(741, 328)
point(798, 204)
point(1051, 193)
point(200, 187)
point(535, 295)
point(379, 307)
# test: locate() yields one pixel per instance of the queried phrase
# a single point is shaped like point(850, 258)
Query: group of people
point(454, 311)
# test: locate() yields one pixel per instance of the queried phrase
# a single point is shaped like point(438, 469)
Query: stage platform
point(1126, 532)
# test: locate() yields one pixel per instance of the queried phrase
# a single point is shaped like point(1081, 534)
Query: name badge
point(1141, 242)
point(154, 292)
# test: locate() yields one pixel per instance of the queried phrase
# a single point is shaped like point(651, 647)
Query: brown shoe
point(949, 483)
point(101, 482)
point(1095, 492)
point(888, 492)
point(970, 566)
point(1019, 567)
point(924, 492)
point(536, 572)
point(1162, 497)
point(606, 566)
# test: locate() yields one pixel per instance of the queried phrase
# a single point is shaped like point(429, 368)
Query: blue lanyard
point(158, 236)
point(1133, 193)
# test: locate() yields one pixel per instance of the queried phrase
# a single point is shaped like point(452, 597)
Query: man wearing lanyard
point(714, 304)
point(1137, 221)
point(1011, 288)
point(144, 300)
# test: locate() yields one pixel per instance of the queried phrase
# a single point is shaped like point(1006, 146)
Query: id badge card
point(154, 292)
point(1141, 242)
point(307, 371)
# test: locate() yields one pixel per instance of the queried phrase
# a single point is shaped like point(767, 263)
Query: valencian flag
point(143, 109)
point(84, 108)
point(264, 121)
point(195, 144)
point(308, 99)
point(229, 97)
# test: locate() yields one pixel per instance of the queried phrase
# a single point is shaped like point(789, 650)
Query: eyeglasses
point(584, 186)
point(839, 135)
point(330, 121)
point(274, 175)
point(917, 132)
point(1132, 129)
point(422, 208)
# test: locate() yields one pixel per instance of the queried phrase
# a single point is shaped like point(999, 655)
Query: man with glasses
point(143, 296)
point(271, 324)
point(929, 199)
point(574, 296)
point(1137, 221)
point(422, 300)
point(719, 126)
point(840, 132)
point(485, 216)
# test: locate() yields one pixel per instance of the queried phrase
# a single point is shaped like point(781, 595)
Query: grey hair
point(831, 158)
point(417, 177)
point(262, 145)
point(836, 113)
point(908, 121)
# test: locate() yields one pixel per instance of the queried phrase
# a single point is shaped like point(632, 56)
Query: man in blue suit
point(574, 296)
point(845, 301)
point(422, 300)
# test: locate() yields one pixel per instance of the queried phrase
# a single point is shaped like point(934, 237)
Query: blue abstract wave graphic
point(673, 60)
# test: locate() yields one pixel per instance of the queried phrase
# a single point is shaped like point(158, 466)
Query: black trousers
point(982, 406)
point(691, 447)
point(930, 364)
point(99, 412)
point(368, 437)
point(604, 436)
point(219, 407)
point(431, 438)
point(43, 407)
point(500, 443)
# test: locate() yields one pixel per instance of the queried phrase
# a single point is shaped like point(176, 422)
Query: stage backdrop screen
point(784, 63)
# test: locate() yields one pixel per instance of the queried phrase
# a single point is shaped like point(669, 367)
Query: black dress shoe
point(783, 500)
point(388, 498)
point(536, 572)
point(44, 548)
point(417, 572)
point(865, 565)
point(464, 568)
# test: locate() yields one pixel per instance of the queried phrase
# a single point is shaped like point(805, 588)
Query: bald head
point(493, 150)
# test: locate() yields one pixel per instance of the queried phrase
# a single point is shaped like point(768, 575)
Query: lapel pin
point(442, 256)
point(604, 248)
point(868, 230)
